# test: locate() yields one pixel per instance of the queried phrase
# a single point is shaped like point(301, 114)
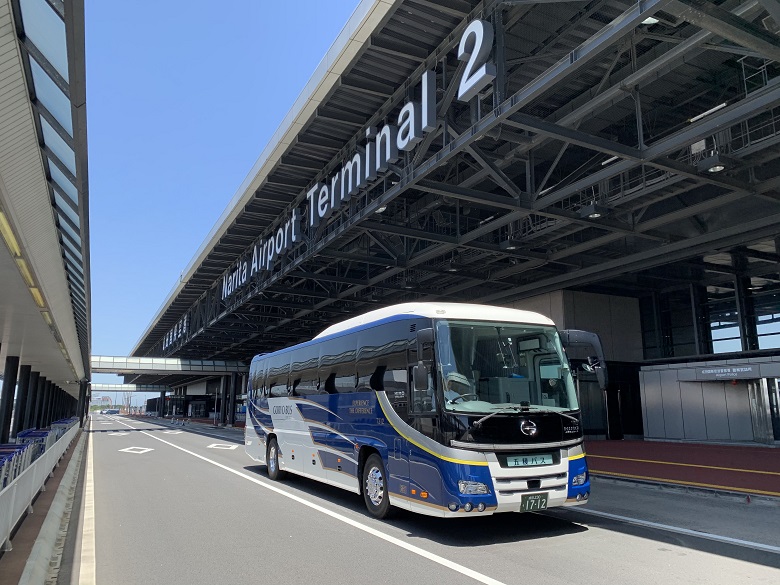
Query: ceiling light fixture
point(650, 20)
point(381, 209)
point(609, 160)
point(509, 245)
point(708, 112)
point(8, 235)
point(593, 210)
point(716, 163)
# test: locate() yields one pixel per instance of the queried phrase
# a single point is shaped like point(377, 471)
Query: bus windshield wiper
point(478, 423)
point(563, 414)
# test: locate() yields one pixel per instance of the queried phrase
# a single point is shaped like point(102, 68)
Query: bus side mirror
point(423, 336)
point(420, 376)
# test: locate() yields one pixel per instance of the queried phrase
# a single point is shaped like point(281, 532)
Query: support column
point(82, 398)
point(47, 404)
point(32, 395)
point(22, 394)
point(223, 390)
point(161, 405)
point(7, 396)
point(748, 328)
point(40, 394)
point(231, 403)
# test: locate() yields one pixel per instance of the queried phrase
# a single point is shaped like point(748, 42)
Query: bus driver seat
point(458, 386)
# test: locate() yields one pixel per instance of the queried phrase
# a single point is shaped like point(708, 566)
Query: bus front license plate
point(533, 502)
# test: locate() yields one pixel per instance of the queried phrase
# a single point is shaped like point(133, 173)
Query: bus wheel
point(375, 487)
point(272, 461)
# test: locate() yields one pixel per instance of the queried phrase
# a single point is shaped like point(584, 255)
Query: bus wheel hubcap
point(272, 459)
point(375, 486)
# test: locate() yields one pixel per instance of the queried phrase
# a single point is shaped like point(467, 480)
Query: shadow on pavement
point(461, 532)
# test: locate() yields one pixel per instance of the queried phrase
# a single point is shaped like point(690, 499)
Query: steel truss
point(491, 205)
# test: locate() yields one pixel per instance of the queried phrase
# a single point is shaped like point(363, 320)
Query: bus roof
point(465, 311)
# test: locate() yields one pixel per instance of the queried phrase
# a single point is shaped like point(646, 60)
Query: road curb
point(744, 497)
point(37, 567)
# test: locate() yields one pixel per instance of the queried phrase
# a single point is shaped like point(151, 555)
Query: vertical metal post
point(499, 83)
point(7, 396)
point(161, 405)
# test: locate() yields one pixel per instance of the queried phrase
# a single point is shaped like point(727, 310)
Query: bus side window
point(306, 387)
point(345, 384)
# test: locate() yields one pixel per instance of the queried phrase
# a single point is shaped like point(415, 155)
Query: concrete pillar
point(161, 404)
point(80, 408)
point(7, 396)
point(22, 393)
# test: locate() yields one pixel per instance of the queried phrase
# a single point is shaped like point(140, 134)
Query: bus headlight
point(580, 479)
point(472, 487)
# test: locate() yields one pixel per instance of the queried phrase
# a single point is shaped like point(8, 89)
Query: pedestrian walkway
point(744, 469)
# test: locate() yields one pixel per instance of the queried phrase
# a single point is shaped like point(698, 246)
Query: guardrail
point(16, 498)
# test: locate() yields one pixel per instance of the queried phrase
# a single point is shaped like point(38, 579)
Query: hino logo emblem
point(528, 427)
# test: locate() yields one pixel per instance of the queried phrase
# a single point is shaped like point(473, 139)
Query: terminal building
point(612, 164)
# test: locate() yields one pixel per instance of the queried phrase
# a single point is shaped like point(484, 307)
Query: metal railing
point(17, 497)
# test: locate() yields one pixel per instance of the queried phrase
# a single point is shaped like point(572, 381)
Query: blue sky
point(182, 97)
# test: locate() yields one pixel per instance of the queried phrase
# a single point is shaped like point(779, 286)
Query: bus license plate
point(529, 460)
point(533, 502)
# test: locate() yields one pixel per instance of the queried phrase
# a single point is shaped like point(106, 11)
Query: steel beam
point(709, 16)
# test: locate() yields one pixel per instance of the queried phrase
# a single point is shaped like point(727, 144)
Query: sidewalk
point(743, 469)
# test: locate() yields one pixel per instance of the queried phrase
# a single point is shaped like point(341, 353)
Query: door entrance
point(773, 388)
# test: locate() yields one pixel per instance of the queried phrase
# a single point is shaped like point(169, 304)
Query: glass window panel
point(52, 97)
point(64, 225)
point(75, 274)
point(72, 257)
point(59, 177)
point(65, 208)
point(58, 146)
point(46, 30)
point(73, 248)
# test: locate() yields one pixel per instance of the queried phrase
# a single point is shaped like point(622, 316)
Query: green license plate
point(533, 502)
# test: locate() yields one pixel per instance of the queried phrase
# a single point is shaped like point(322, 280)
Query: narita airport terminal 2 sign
point(382, 147)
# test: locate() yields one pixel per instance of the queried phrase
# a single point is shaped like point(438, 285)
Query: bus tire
point(272, 461)
point(375, 492)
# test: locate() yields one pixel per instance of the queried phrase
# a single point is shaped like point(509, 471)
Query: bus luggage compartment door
point(398, 468)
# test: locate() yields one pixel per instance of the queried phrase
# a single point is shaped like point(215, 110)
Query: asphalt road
point(180, 507)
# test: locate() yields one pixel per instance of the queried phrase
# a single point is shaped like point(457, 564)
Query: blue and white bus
point(440, 408)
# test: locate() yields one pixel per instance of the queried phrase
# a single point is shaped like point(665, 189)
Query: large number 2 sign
point(474, 48)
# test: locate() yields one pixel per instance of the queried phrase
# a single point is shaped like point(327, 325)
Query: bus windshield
point(487, 367)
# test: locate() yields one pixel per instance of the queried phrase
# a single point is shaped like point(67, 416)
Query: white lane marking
point(87, 565)
point(679, 530)
point(118, 434)
point(355, 524)
point(221, 446)
point(105, 423)
point(172, 432)
point(136, 450)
